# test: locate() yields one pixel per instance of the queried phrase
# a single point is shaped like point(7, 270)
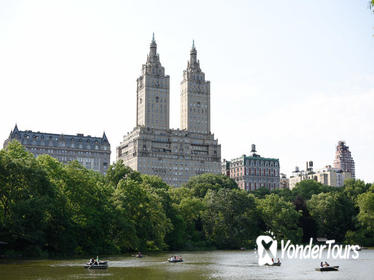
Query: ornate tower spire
point(195, 97)
point(193, 64)
point(153, 92)
point(153, 48)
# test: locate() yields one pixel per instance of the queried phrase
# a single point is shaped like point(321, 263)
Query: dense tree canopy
point(280, 217)
point(334, 214)
point(230, 218)
point(51, 209)
point(199, 185)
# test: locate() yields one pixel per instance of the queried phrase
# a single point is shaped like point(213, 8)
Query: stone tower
point(195, 97)
point(152, 147)
point(152, 105)
point(343, 159)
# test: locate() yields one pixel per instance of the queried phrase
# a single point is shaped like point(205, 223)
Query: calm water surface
point(197, 265)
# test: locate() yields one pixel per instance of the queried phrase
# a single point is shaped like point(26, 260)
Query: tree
point(199, 185)
point(88, 203)
point(280, 217)
point(230, 219)
point(118, 171)
point(307, 188)
point(142, 223)
point(363, 233)
point(366, 215)
point(261, 192)
point(306, 222)
point(353, 188)
point(26, 200)
point(333, 213)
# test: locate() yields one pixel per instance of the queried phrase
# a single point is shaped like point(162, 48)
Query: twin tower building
point(173, 154)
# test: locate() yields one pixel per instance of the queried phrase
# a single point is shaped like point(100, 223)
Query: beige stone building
point(329, 176)
point(173, 154)
point(284, 182)
point(195, 97)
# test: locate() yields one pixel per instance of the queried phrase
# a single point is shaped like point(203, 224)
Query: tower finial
point(153, 45)
point(193, 50)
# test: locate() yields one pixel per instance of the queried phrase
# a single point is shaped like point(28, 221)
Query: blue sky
point(293, 77)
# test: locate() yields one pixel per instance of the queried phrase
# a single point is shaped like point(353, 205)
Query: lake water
point(197, 265)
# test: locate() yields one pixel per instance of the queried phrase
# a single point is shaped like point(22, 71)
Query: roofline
point(61, 134)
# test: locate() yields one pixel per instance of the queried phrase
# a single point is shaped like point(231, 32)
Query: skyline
point(280, 83)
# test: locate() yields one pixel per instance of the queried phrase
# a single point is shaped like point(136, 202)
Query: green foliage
point(353, 188)
point(199, 185)
point(230, 218)
point(141, 217)
point(366, 216)
point(51, 209)
point(280, 217)
point(261, 192)
point(333, 213)
point(26, 199)
point(119, 171)
point(305, 189)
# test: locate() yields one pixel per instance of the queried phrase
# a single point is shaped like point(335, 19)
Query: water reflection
point(197, 265)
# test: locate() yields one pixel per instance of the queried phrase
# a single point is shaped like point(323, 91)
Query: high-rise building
point(173, 154)
point(195, 97)
point(92, 152)
point(253, 171)
point(343, 159)
point(153, 100)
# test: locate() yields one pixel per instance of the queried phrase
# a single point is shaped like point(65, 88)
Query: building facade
point(284, 182)
point(92, 152)
point(343, 159)
point(152, 109)
point(329, 175)
point(253, 172)
point(195, 97)
point(152, 147)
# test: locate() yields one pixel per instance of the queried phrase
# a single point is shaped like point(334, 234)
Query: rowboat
point(100, 265)
point(174, 260)
point(328, 268)
point(274, 264)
